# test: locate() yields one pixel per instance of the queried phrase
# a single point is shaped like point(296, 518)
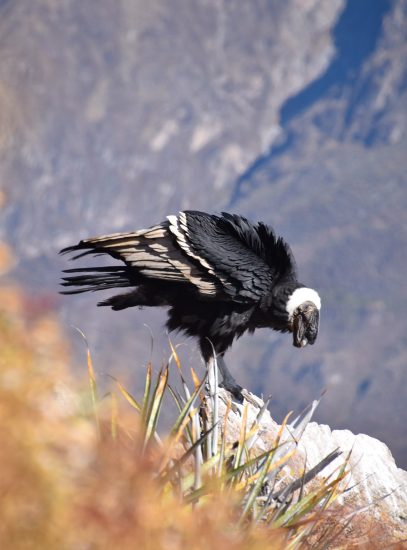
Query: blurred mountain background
point(115, 113)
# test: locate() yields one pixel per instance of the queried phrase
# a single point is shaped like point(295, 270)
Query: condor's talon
point(252, 399)
point(234, 389)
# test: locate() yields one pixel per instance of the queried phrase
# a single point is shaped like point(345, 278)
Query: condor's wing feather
point(151, 253)
point(238, 264)
point(223, 257)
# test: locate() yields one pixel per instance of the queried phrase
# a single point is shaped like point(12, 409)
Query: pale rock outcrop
point(375, 489)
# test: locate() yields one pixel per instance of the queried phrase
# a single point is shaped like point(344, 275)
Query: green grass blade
point(92, 383)
point(129, 398)
point(186, 409)
point(146, 395)
point(156, 402)
point(177, 464)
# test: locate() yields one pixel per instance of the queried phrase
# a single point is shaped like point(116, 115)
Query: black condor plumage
point(219, 275)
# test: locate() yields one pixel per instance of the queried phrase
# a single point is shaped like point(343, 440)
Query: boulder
point(372, 506)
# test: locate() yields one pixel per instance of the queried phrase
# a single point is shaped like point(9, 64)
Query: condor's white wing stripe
point(178, 226)
point(158, 231)
point(177, 231)
point(156, 258)
point(160, 248)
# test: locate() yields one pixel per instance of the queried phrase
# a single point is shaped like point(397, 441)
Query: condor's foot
point(230, 385)
point(240, 394)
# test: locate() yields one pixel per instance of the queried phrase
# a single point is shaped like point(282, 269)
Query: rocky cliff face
point(371, 506)
point(119, 113)
point(114, 114)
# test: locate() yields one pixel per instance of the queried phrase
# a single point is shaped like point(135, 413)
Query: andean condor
point(219, 275)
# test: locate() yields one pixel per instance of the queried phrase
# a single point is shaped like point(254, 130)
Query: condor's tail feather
point(82, 245)
point(97, 278)
point(121, 246)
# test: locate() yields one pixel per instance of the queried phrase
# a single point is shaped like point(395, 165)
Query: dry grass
point(69, 481)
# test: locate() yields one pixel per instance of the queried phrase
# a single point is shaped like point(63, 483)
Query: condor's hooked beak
point(305, 324)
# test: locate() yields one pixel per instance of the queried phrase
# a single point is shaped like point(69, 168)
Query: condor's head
point(303, 311)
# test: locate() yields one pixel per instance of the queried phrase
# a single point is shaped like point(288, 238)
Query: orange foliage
point(120, 502)
point(62, 485)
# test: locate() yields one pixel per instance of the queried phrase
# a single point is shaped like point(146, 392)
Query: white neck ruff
point(301, 295)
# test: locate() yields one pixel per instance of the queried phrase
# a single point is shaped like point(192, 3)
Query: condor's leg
point(228, 380)
point(230, 384)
